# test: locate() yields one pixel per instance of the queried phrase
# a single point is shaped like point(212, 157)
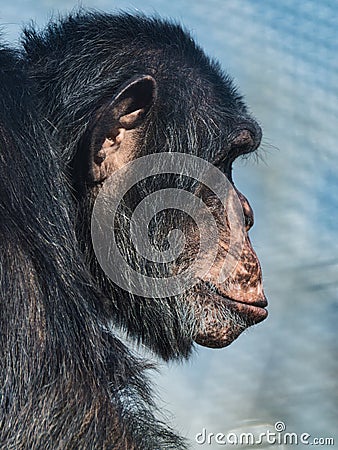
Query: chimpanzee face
point(192, 246)
point(145, 112)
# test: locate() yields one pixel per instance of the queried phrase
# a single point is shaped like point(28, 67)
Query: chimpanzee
point(84, 106)
point(114, 89)
point(65, 381)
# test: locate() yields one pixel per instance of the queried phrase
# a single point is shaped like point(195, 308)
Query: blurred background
point(284, 56)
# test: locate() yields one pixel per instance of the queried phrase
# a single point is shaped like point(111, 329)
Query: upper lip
point(259, 303)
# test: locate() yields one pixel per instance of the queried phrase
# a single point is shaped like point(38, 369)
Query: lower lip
point(254, 313)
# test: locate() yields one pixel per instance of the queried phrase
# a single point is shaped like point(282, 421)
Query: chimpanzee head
point(149, 128)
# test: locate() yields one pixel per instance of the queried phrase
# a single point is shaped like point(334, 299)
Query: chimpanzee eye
point(245, 139)
point(224, 164)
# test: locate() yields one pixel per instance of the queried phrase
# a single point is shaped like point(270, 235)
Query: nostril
point(249, 221)
point(247, 211)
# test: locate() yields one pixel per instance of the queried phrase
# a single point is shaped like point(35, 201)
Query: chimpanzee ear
point(112, 140)
point(133, 101)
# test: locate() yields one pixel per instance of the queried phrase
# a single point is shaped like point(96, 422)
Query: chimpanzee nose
point(247, 211)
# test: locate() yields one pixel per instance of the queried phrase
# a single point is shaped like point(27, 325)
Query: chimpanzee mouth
point(252, 312)
point(255, 311)
point(221, 319)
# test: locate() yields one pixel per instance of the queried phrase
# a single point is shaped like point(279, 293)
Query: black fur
point(81, 62)
point(65, 382)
